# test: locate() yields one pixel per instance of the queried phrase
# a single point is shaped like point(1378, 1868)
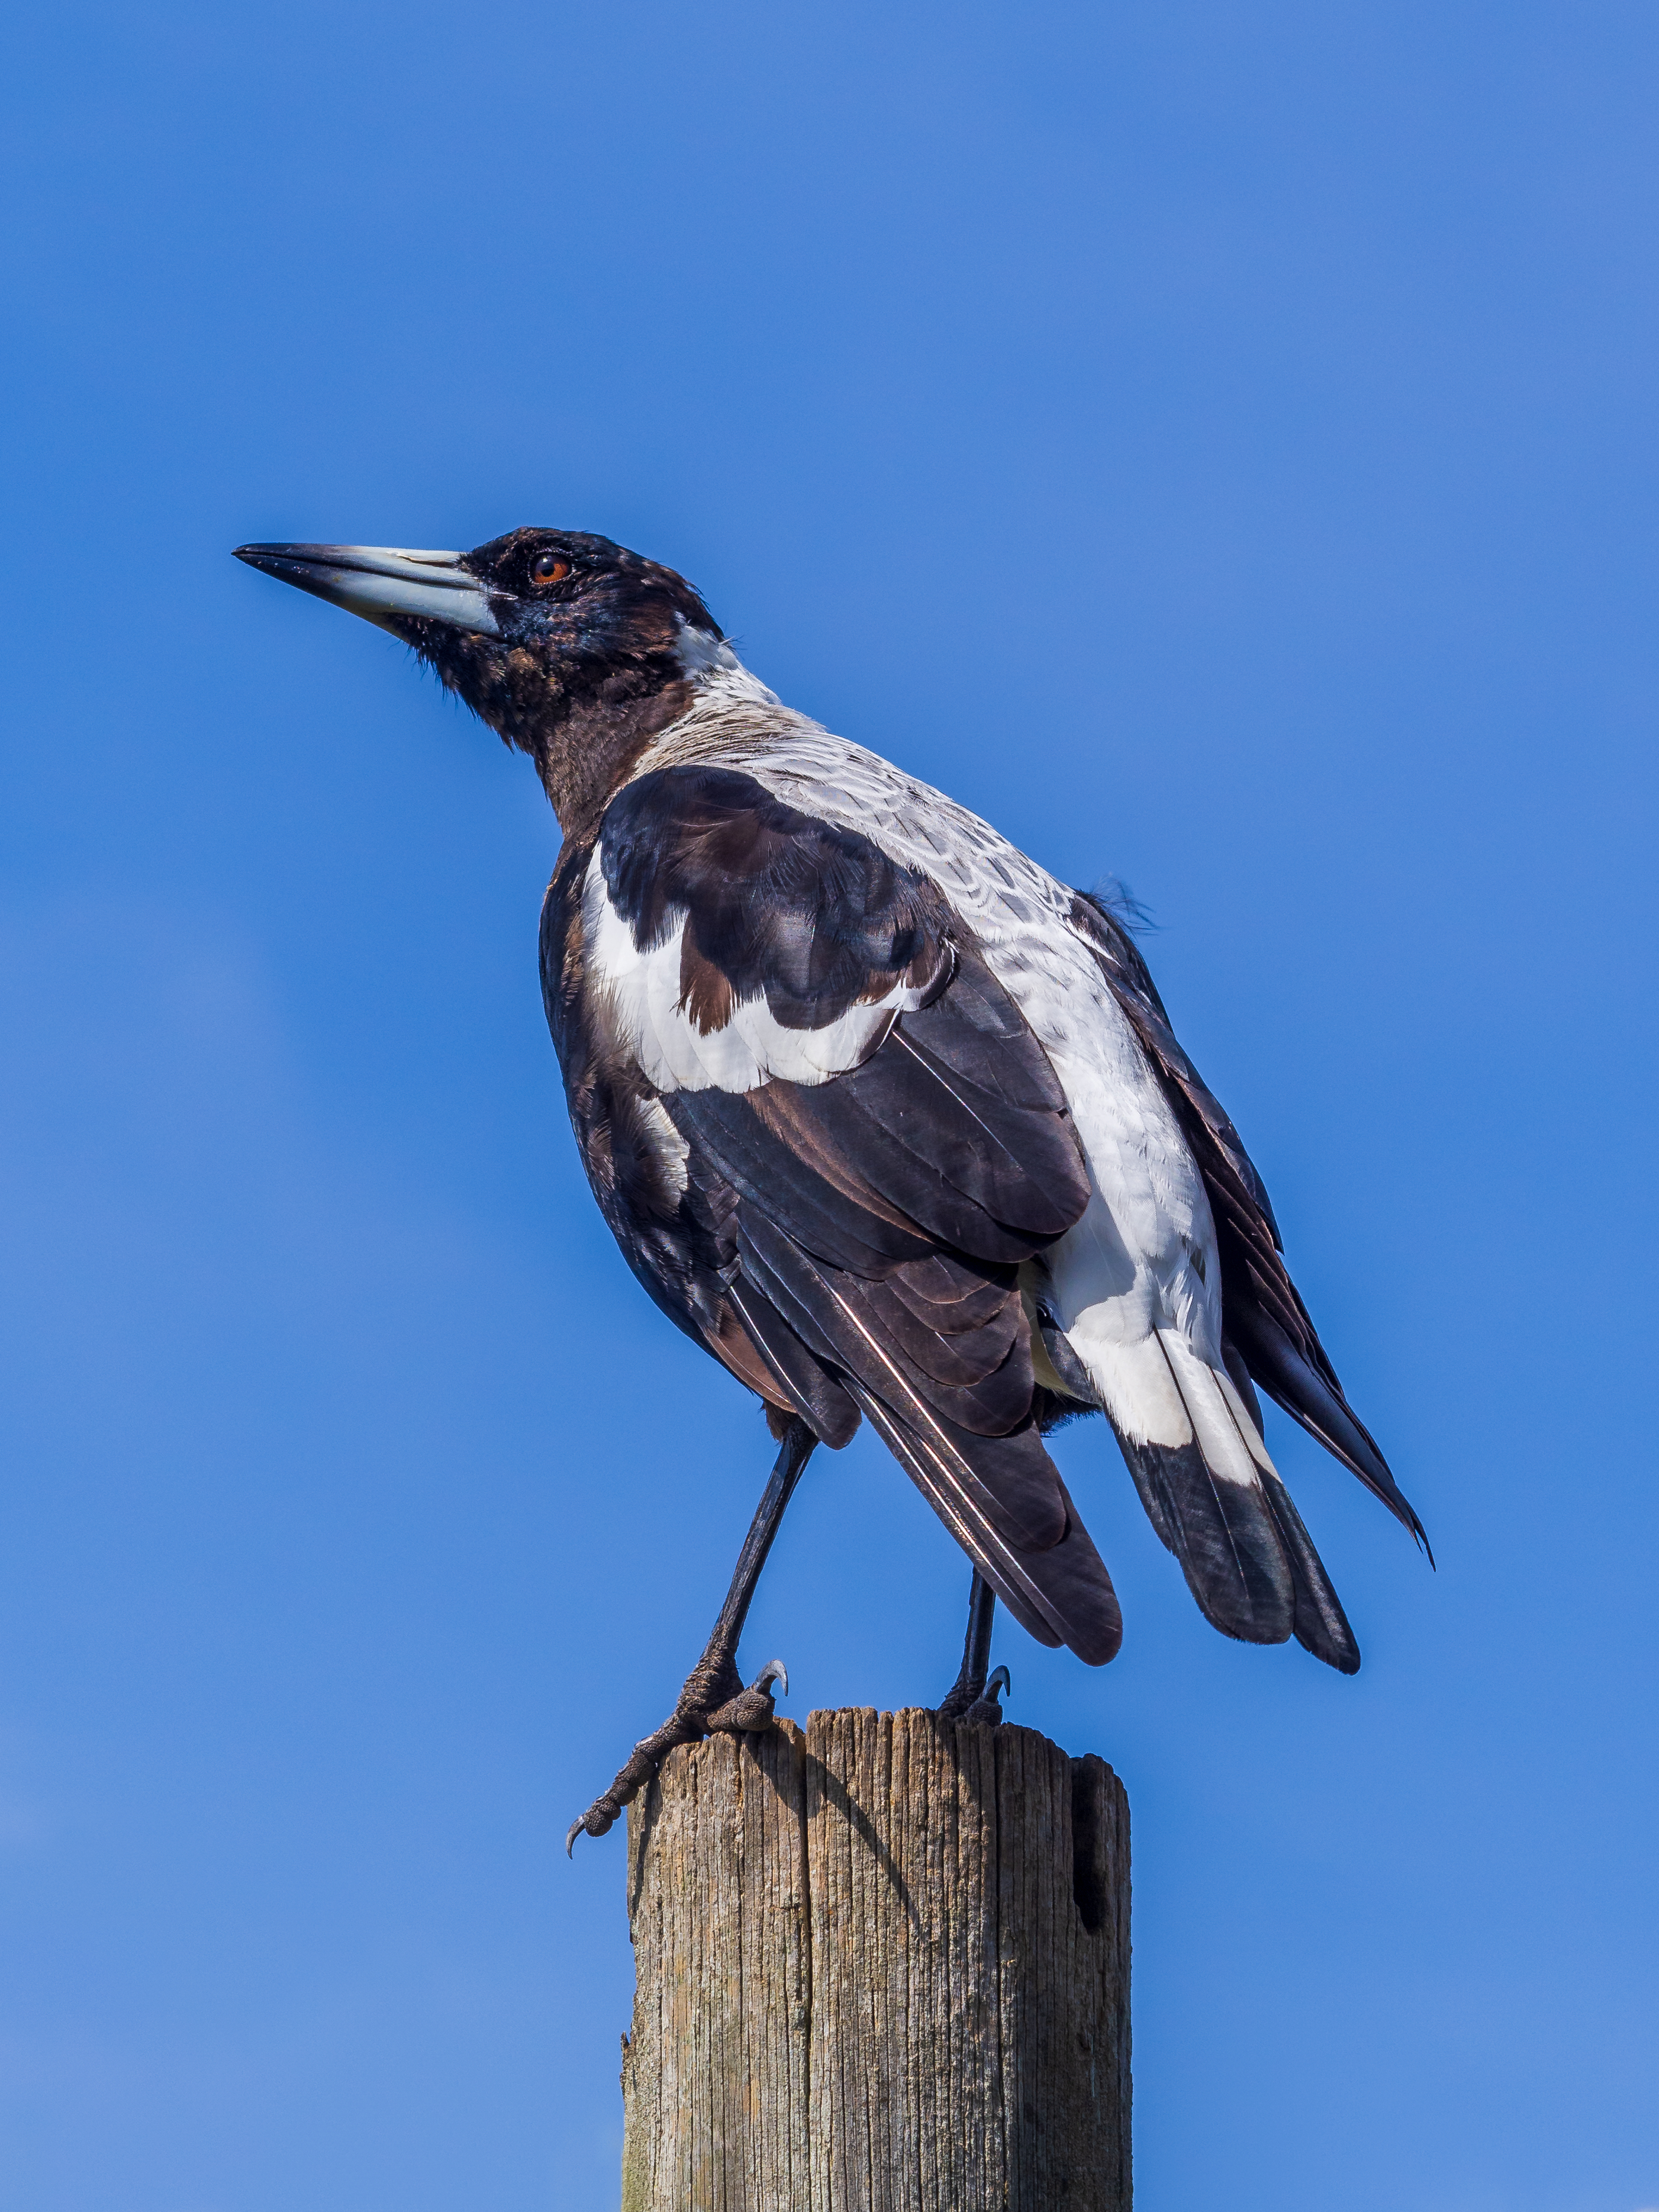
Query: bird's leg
point(975, 1650)
point(712, 1699)
point(971, 1696)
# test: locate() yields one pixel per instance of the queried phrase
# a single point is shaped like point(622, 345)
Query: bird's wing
point(1128, 1301)
point(860, 1126)
point(1267, 1331)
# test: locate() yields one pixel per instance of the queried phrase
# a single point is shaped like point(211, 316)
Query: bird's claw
point(984, 1711)
point(646, 1758)
point(749, 1712)
point(973, 1707)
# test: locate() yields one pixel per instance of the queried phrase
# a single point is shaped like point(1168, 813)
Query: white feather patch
point(1220, 1437)
point(674, 1053)
point(672, 1151)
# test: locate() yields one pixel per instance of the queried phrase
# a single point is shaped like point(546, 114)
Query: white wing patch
point(647, 996)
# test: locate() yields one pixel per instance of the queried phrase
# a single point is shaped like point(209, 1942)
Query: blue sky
point(1218, 444)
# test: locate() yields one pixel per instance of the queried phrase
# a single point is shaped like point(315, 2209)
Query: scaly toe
point(753, 1710)
point(984, 1711)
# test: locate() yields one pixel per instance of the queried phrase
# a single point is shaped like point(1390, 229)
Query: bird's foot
point(752, 1711)
point(713, 1702)
point(975, 1703)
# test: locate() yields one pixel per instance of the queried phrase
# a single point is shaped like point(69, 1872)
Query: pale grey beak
point(382, 582)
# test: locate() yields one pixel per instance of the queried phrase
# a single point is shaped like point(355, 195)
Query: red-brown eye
point(549, 569)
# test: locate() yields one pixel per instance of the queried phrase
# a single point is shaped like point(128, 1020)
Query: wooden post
point(882, 1965)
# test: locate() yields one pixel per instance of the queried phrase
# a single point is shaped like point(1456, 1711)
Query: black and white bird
point(881, 1115)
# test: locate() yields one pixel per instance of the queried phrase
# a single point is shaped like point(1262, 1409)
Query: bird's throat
point(585, 754)
point(583, 725)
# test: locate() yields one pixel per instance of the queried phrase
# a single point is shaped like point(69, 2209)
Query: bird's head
point(574, 649)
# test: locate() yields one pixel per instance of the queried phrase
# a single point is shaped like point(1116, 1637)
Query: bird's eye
point(549, 569)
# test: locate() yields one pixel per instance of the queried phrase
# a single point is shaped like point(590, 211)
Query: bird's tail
point(1215, 1499)
point(1060, 1590)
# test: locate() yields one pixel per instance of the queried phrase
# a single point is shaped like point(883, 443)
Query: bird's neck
point(584, 754)
point(589, 751)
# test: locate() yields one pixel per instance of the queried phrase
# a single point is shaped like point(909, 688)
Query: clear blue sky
point(1217, 443)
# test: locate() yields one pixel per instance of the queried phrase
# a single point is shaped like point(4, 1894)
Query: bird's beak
point(382, 582)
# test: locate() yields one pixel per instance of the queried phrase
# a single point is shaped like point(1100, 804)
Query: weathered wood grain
point(883, 1966)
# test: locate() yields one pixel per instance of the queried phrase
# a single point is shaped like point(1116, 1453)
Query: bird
point(884, 1117)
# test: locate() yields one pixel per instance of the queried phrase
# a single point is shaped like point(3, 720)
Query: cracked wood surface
point(881, 1967)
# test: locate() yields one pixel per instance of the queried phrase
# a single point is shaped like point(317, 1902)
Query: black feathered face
point(578, 622)
point(530, 628)
point(585, 599)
